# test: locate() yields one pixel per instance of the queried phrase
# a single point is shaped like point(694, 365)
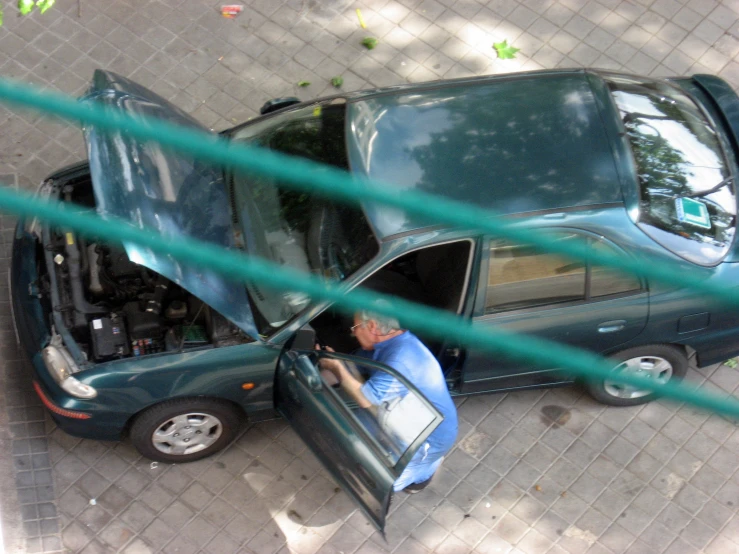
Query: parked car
point(129, 342)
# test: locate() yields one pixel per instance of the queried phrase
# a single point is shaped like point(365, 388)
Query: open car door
point(365, 450)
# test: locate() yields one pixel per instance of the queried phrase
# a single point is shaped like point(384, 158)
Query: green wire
point(308, 176)
point(333, 183)
point(240, 267)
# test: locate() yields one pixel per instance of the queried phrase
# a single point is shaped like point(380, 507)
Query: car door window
point(393, 425)
point(364, 450)
point(607, 281)
point(520, 276)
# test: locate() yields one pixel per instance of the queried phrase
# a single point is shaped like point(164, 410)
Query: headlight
point(61, 366)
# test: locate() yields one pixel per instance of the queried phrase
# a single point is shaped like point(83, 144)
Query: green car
point(128, 342)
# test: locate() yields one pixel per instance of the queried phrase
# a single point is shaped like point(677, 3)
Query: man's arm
point(349, 382)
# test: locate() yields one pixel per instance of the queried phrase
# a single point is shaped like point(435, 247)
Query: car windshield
point(687, 196)
point(292, 228)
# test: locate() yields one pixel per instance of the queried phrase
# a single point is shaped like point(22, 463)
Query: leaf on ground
point(505, 51)
point(1, 16)
point(732, 363)
point(303, 83)
point(337, 81)
point(369, 42)
point(44, 5)
point(26, 6)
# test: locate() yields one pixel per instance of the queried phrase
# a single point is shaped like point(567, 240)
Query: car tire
point(184, 430)
point(661, 361)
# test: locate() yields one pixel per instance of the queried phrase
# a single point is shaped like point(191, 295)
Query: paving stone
point(715, 515)
point(611, 503)
point(701, 446)
point(540, 457)
point(684, 464)
point(698, 534)
point(114, 499)
point(721, 544)
point(728, 495)
point(75, 537)
point(621, 451)
point(580, 454)
point(634, 519)
point(707, 480)
point(676, 465)
point(587, 487)
point(691, 499)
point(644, 466)
point(511, 529)
point(116, 534)
point(529, 509)
point(133, 481)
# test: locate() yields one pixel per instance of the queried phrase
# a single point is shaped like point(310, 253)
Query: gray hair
point(385, 324)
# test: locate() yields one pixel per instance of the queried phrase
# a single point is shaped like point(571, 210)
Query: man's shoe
point(413, 488)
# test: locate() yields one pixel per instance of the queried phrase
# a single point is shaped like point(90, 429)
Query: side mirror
point(277, 104)
point(304, 339)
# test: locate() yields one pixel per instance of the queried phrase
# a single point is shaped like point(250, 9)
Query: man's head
point(369, 329)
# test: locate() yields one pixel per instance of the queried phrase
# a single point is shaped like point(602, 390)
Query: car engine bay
point(115, 308)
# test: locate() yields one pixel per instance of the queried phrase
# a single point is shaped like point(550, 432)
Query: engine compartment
point(115, 308)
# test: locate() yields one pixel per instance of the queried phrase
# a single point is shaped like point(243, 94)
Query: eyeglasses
point(351, 329)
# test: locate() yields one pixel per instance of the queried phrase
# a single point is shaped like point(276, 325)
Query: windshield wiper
point(713, 189)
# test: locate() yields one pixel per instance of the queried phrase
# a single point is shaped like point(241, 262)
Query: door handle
point(452, 352)
point(611, 326)
point(365, 477)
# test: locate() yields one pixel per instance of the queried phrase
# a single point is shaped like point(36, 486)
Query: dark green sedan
point(128, 342)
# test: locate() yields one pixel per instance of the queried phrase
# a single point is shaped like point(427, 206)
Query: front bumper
point(79, 418)
point(33, 329)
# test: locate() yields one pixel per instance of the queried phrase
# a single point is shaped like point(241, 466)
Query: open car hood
point(169, 193)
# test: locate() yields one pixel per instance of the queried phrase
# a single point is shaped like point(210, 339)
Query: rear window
point(687, 197)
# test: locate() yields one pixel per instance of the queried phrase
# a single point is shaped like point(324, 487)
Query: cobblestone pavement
point(658, 478)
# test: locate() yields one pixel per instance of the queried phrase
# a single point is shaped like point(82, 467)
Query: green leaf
point(303, 83)
point(732, 363)
point(44, 5)
point(1, 16)
point(369, 42)
point(337, 81)
point(26, 6)
point(505, 51)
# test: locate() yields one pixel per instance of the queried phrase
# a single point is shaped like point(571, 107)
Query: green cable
point(306, 175)
point(239, 267)
point(332, 183)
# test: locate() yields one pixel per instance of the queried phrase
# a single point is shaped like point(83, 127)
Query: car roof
point(513, 144)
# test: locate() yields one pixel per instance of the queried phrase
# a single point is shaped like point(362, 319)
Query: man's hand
point(330, 369)
point(338, 370)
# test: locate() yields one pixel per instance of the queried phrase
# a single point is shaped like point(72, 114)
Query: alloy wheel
point(187, 433)
point(653, 367)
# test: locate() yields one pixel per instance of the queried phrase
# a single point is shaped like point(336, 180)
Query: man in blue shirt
point(404, 352)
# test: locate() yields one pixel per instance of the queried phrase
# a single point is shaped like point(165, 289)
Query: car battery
point(109, 338)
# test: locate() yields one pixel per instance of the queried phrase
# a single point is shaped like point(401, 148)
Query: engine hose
point(81, 306)
point(59, 326)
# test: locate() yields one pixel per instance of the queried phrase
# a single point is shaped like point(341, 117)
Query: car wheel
point(184, 430)
point(660, 362)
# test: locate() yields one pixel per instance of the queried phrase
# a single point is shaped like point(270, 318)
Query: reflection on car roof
point(510, 144)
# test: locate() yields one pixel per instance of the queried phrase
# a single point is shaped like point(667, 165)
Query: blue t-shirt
point(407, 355)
